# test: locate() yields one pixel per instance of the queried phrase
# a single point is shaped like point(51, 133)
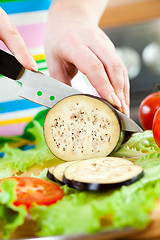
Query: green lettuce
point(40, 117)
point(10, 216)
point(16, 160)
point(148, 161)
point(42, 175)
point(14, 141)
point(84, 211)
point(138, 145)
point(88, 212)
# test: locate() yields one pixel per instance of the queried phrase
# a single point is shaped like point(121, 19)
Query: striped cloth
point(30, 18)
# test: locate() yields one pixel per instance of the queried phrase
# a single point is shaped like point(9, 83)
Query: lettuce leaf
point(40, 117)
point(148, 161)
point(138, 145)
point(10, 216)
point(16, 160)
point(89, 212)
point(42, 175)
point(14, 141)
point(82, 211)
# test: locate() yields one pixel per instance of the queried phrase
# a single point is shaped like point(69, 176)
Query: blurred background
point(132, 25)
point(134, 28)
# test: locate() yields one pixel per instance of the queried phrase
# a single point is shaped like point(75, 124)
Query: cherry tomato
point(33, 190)
point(156, 127)
point(147, 109)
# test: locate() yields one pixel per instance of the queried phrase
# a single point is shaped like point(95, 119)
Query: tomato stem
point(156, 87)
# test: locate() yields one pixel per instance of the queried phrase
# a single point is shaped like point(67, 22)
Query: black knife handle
point(9, 65)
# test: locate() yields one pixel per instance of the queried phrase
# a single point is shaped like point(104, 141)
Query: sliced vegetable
point(50, 174)
point(156, 127)
point(147, 109)
point(91, 212)
point(31, 191)
point(81, 127)
point(56, 173)
point(101, 173)
point(11, 216)
point(103, 210)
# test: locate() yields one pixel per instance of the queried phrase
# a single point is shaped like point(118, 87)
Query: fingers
point(118, 76)
point(92, 53)
point(127, 90)
point(88, 63)
point(12, 39)
point(115, 69)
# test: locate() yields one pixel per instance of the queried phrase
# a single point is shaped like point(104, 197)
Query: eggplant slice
point(56, 173)
point(102, 173)
point(81, 127)
point(50, 174)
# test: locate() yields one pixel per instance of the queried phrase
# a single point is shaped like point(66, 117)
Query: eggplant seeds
point(81, 127)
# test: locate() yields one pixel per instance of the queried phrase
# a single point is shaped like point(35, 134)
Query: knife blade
point(44, 90)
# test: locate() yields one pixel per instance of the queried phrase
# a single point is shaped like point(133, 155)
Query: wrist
point(89, 11)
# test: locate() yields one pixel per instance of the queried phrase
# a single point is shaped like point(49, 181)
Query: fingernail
point(125, 108)
point(115, 100)
point(33, 63)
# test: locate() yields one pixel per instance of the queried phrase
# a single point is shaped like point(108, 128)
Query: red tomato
point(148, 108)
point(33, 190)
point(156, 127)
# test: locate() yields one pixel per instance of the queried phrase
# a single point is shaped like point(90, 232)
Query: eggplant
point(101, 174)
point(56, 173)
point(50, 174)
point(81, 127)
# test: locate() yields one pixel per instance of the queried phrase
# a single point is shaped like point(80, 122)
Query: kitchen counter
point(126, 12)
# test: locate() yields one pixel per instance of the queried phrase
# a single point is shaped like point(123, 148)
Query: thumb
point(13, 40)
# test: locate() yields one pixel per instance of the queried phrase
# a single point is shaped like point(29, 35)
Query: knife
point(44, 90)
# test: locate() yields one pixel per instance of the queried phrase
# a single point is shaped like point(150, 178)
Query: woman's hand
point(74, 42)
point(13, 40)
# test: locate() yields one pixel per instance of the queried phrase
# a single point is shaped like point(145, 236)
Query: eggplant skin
point(100, 186)
point(51, 177)
point(56, 173)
